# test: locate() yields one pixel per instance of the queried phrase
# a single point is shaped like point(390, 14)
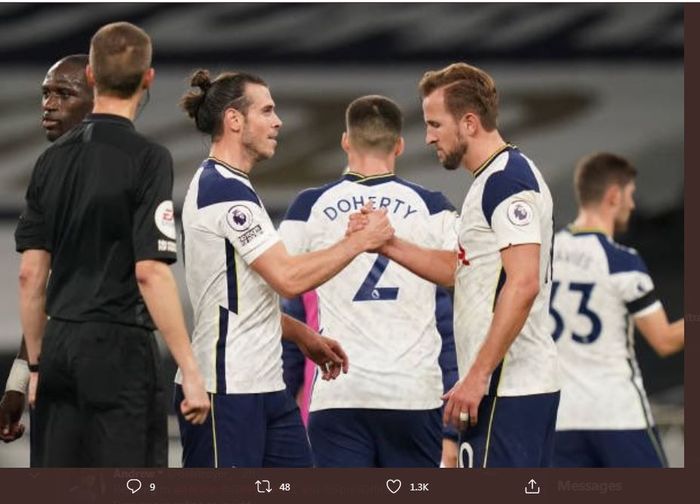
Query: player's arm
point(159, 290)
point(637, 291)
point(153, 235)
point(325, 352)
point(437, 266)
point(521, 264)
point(291, 275)
point(33, 274)
point(664, 337)
point(12, 402)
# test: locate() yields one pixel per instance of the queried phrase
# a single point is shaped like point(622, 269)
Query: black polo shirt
point(99, 200)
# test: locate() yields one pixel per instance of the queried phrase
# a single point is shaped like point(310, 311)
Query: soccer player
point(99, 216)
point(236, 268)
point(66, 99)
point(386, 413)
point(602, 290)
point(506, 399)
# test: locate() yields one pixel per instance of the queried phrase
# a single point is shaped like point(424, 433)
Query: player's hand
point(464, 397)
point(11, 409)
point(33, 381)
point(358, 220)
point(195, 406)
point(377, 231)
point(328, 354)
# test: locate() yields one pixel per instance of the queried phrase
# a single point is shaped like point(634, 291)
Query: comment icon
point(134, 485)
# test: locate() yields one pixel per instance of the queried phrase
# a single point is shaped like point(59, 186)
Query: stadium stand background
point(573, 79)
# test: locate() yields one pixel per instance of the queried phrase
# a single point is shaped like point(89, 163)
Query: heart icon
point(393, 485)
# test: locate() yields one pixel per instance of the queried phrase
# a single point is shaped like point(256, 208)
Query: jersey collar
point(490, 159)
point(230, 168)
point(585, 230)
point(109, 118)
point(372, 180)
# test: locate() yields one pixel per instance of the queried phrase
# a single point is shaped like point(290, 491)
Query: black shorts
point(100, 399)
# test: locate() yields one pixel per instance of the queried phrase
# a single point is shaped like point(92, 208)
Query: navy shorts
point(245, 430)
point(356, 437)
point(511, 432)
point(609, 448)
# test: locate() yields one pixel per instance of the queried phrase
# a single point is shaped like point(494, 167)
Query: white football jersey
point(507, 204)
point(237, 329)
point(598, 287)
point(382, 314)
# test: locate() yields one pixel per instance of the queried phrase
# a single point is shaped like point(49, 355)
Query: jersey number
point(596, 326)
point(369, 291)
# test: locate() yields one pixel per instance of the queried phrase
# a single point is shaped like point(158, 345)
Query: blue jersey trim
point(215, 188)
point(643, 302)
point(448, 354)
point(300, 209)
point(221, 351)
point(515, 178)
point(371, 180)
point(434, 200)
point(621, 259)
point(231, 278)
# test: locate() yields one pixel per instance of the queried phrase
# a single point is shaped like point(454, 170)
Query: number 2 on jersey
point(596, 325)
point(369, 291)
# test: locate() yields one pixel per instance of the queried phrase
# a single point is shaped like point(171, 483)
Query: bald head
point(66, 95)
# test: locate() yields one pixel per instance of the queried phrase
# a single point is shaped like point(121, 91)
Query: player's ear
point(233, 119)
point(469, 124)
point(345, 142)
point(148, 77)
point(399, 147)
point(89, 76)
point(613, 195)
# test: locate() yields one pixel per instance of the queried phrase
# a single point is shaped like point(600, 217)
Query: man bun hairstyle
point(120, 55)
point(207, 103)
point(595, 173)
point(467, 89)
point(374, 122)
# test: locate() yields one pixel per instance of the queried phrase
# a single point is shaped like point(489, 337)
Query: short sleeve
point(443, 217)
point(248, 227)
point(153, 229)
point(293, 229)
point(293, 234)
point(636, 286)
point(516, 220)
point(447, 222)
point(31, 233)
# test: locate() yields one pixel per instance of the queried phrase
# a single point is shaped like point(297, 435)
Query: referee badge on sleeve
point(165, 219)
point(519, 213)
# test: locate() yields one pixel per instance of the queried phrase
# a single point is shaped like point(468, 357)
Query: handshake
point(370, 229)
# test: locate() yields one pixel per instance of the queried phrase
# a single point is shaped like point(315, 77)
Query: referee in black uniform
point(99, 208)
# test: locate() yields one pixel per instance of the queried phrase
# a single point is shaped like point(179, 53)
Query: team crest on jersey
point(239, 218)
point(165, 219)
point(519, 213)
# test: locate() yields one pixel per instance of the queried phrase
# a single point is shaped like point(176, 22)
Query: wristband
point(33, 368)
point(18, 380)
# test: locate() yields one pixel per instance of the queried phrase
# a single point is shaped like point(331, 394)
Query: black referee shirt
point(100, 199)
